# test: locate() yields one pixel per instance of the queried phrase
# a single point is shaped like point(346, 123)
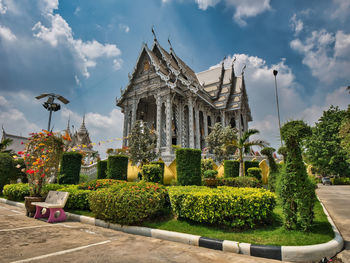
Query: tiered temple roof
point(217, 86)
point(18, 142)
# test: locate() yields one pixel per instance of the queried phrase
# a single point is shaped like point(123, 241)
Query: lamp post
point(50, 105)
point(275, 72)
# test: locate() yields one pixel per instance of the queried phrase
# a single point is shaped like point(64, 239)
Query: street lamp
point(50, 105)
point(275, 72)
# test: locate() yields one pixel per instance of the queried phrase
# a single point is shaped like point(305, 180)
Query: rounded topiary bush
point(70, 168)
point(128, 203)
point(206, 164)
point(255, 172)
point(231, 168)
point(152, 173)
point(101, 169)
point(6, 169)
point(117, 167)
point(16, 192)
point(250, 164)
point(188, 166)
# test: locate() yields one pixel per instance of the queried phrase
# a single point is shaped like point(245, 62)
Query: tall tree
point(244, 145)
point(142, 143)
point(323, 149)
point(221, 141)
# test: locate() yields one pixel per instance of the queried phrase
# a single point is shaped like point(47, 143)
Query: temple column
point(159, 121)
point(180, 123)
point(198, 132)
point(223, 119)
point(190, 122)
point(168, 123)
point(125, 128)
point(205, 124)
point(133, 113)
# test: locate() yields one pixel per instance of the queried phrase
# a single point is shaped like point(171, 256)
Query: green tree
point(283, 151)
point(244, 145)
point(4, 144)
point(221, 141)
point(323, 148)
point(295, 189)
point(142, 143)
point(268, 152)
point(344, 133)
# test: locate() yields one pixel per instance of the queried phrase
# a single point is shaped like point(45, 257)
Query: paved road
point(336, 198)
point(25, 239)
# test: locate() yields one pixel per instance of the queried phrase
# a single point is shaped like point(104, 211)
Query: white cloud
point(327, 55)
point(77, 11)
point(204, 4)
point(117, 64)
point(14, 120)
point(6, 34)
point(342, 8)
point(124, 28)
point(3, 8)
point(60, 33)
point(297, 24)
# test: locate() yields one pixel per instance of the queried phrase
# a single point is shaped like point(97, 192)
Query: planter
point(211, 182)
point(28, 200)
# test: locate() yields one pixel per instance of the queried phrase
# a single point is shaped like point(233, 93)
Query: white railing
point(90, 170)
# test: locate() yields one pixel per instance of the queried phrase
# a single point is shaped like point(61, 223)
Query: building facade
point(179, 104)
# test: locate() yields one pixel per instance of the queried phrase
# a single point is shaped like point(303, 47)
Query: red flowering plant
point(41, 156)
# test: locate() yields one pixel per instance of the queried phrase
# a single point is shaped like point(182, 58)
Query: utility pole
point(275, 72)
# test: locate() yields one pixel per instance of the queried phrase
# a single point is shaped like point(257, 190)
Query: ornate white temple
point(178, 103)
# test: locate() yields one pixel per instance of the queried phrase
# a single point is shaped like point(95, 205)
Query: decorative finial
point(233, 61)
point(223, 61)
point(154, 34)
point(84, 119)
point(171, 47)
point(243, 69)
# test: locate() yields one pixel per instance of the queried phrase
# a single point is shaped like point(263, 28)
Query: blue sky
point(85, 49)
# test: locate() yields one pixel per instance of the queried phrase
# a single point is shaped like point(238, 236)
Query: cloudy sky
point(85, 49)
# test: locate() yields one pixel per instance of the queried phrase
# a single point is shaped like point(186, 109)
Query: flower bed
point(234, 207)
point(100, 183)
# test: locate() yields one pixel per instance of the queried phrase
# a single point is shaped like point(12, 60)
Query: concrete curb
point(284, 253)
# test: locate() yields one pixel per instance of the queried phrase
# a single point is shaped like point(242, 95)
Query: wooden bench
point(53, 206)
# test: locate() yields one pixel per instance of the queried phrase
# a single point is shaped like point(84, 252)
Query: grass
point(272, 234)
point(80, 212)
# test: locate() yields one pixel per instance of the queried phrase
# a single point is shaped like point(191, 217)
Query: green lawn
point(272, 234)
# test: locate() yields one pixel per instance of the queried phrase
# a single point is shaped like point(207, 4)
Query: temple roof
point(217, 86)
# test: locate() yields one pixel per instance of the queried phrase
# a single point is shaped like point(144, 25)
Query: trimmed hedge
point(50, 187)
point(101, 169)
point(117, 167)
point(77, 199)
point(128, 203)
point(6, 169)
point(240, 182)
point(255, 172)
point(16, 192)
point(99, 183)
point(152, 173)
point(161, 164)
point(250, 164)
point(70, 168)
point(234, 207)
point(188, 166)
point(231, 168)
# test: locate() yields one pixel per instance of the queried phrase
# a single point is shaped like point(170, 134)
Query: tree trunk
point(241, 164)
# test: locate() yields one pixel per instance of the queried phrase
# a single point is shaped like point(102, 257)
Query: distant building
point(18, 142)
point(179, 104)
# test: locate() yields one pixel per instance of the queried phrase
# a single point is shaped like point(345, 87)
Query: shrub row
point(234, 207)
point(6, 169)
point(16, 192)
point(240, 182)
point(99, 183)
point(128, 203)
point(340, 181)
point(254, 172)
point(231, 168)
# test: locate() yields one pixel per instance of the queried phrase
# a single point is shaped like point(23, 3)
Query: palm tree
point(4, 144)
point(243, 146)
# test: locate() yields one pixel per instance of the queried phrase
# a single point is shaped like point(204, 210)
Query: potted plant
point(41, 157)
point(210, 179)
